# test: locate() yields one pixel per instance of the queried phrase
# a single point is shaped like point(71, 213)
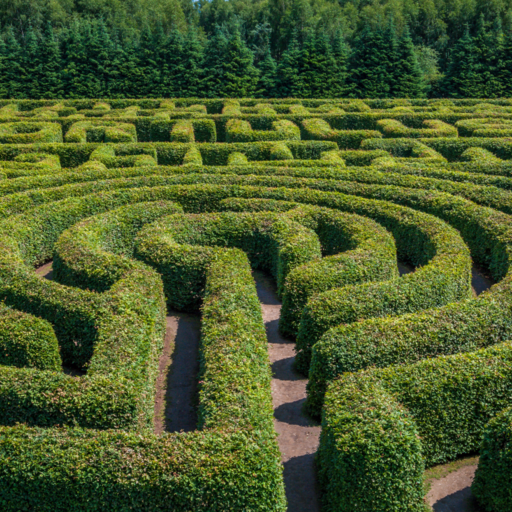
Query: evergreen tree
point(240, 75)
point(408, 80)
point(174, 65)
point(288, 70)
point(213, 68)
point(461, 79)
point(149, 76)
point(13, 68)
point(489, 50)
point(30, 63)
point(340, 71)
point(267, 82)
point(193, 54)
point(75, 57)
point(49, 71)
point(370, 65)
point(3, 70)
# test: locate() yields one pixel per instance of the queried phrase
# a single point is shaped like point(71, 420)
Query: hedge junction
point(150, 206)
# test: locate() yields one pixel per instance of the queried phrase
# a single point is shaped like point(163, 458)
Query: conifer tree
point(149, 76)
point(213, 68)
point(174, 65)
point(340, 71)
point(240, 75)
point(489, 49)
point(50, 65)
point(75, 56)
point(370, 65)
point(13, 68)
point(461, 79)
point(3, 80)
point(288, 70)
point(193, 54)
point(30, 64)
point(408, 80)
point(267, 81)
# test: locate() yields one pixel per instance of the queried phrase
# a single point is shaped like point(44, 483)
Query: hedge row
point(238, 130)
point(355, 250)
point(29, 133)
point(101, 131)
point(379, 427)
point(27, 342)
point(73, 155)
point(172, 471)
point(319, 129)
point(431, 128)
point(273, 243)
point(492, 485)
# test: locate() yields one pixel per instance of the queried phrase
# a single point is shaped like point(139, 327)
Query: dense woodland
point(262, 48)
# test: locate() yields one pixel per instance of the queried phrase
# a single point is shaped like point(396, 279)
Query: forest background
point(262, 48)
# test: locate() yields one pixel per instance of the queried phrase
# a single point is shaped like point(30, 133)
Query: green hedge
point(431, 128)
point(29, 133)
point(238, 130)
point(186, 130)
point(492, 485)
point(379, 425)
point(273, 243)
point(101, 131)
point(27, 342)
point(319, 129)
point(237, 440)
point(355, 250)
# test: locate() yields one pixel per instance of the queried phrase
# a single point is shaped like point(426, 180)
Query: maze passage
point(155, 213)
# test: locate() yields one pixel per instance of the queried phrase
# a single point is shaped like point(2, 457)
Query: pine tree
point(193, 54)
point(174, 68)
point(288, 81)
point(75, 56)
point(325, 68)
point(3, 70)
point(149, 74)
point(370, 65)
point(49, 71)
point(213, 68)
point(240, 75)
point(408, 81)
point(13, 69)
point(489, 49)
point(461, 79)
point(340, 72)
point(30, 63)
point(267, 81)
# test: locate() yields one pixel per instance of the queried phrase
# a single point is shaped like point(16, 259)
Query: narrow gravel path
point(298, 436)
point(453, 492)
point(176, 387)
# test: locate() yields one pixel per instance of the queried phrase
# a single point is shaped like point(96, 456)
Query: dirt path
point(176, 387)
point(298, 436)
point(452, 493)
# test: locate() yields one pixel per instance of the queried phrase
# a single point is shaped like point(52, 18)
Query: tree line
point(90, 59)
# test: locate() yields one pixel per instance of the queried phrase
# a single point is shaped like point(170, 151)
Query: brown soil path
point(452, 493)
point(298, 436)
point(176, 386)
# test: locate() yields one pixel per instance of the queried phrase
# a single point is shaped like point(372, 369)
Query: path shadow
point(180, 394)
point(292, 414)
point(460, 501)
point(480, 280)
point(301, 490)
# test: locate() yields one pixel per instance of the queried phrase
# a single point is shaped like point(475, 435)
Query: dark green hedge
point(379, 424)
point(492, 485)
point(29, 133)
point(355, 250)
point(27, 342)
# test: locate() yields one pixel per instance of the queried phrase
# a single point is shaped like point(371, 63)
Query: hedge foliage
point(380, 427)
point(493, 479)
point(156, 203)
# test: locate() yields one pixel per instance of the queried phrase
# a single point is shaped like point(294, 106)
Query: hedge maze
point(145, 205)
